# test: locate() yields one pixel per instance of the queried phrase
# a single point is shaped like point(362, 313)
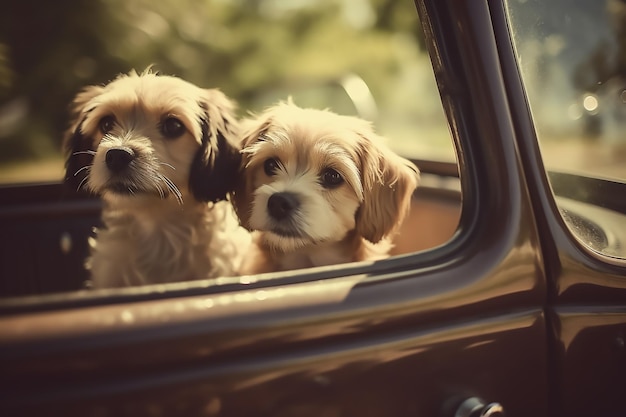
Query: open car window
point(365, 59)
point(572, 65)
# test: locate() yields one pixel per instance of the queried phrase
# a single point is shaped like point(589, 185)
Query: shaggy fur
point(162, 153)
point(319, 189)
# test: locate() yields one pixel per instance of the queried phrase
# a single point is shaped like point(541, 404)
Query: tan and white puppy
point(163, 155)
point(319, 188)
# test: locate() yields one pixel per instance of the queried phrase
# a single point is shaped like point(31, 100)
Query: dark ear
point(79, 157)
point(214, 170)
point(252, 131)
point(77, 147)
point(388, 184)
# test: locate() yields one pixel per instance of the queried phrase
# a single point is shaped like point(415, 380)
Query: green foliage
point(249, 49)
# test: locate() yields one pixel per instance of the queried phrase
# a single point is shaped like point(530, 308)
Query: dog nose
point(118, 158)
point(280, 205)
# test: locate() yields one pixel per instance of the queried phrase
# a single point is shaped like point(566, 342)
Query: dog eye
point(172, 127)
point(270, 166)
point(331, 178)
point(106, 124)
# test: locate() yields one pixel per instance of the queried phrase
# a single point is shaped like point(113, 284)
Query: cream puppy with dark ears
point(319, 189)
point(163, 154)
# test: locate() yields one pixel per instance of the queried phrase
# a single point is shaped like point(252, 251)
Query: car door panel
point(426, 372)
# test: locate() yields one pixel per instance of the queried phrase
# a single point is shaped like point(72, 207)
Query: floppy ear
point(388, 184)
point(75, 144)
point(252, 132)
point(215, 167)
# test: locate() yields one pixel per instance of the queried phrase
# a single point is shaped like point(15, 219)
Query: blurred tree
point(608, 59)
point(48, 51)
point(46, 45)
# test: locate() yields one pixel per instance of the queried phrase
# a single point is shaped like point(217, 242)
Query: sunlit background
point(573, 59)
point(358, 57)
point(364, 58)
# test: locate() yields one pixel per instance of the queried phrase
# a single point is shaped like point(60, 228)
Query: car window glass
point(572, 57)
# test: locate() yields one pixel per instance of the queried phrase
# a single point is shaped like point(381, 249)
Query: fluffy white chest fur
point(147, 245)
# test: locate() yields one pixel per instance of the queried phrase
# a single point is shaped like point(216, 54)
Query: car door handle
point(477, 407)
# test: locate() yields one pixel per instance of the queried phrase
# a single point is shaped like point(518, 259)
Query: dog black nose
point(280, 205)
point(118, 158)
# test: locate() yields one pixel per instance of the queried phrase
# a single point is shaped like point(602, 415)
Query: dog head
point(311, 176)
point(149, 135)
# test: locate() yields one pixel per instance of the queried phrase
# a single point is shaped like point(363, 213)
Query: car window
point(365, 58)
point(572, 58)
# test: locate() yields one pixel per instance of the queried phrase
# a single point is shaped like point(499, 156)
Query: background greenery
point(256, 51)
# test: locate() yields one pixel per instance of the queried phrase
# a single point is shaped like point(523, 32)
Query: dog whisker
point(176, 191)
point(83, 181)
point(168, 165)
point(88, 152)
point(85, 168)
point(173, 188)
point(160, 190)
point(154, 178)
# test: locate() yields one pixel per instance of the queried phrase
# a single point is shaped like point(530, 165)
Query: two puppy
point(166, 156)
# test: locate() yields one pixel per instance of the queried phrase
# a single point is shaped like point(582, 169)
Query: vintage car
point(507, 294)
